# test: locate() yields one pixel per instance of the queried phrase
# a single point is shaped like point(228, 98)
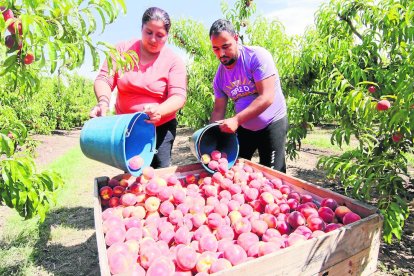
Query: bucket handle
point(128, 132)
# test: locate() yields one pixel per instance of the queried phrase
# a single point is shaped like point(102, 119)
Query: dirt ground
point(395, 259)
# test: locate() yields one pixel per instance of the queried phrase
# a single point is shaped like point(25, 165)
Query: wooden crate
point(350, 250)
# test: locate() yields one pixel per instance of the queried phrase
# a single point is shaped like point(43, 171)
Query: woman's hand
point(153, 113)
point(99, 110)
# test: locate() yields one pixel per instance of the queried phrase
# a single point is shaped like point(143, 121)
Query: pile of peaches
point(204, 223)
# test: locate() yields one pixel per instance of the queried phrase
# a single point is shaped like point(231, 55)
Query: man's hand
point(229, 125)
point(153, 113)
point(99, 110)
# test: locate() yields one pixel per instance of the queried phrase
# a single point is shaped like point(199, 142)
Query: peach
point(225, 232)
point(115, 234)
point(235, 189)
point(190, 179)
point(201, 231)
point(330, 203)
point(233, 205)
point(152, 188)
point(268, 247)
point(135, 163)
point(133, 233)
point(198, 219)
point(283, 227)
point(178, 196)
point(148, 172)
point(150, 231)
point(307, 210)
point(246, 210)
point(166, 235)
point(235, 254)
point(277, 182)
point(219, 265)
point(213, 165)
point(166, 208)
point(221, 209)
point(304, 231)
point(116, 247)
point(204, 261)
point(306, 198)
point(205, 158)
point(161, 266)
point(110, 212)
point(139, 212)
point(113, 182)
point(215, 155)
point(243, 225)
point(285, 189)
point(315, 223)
point(132, 222)
point(176, 217)
point(350, 217)
point(207, 180)
point(118, 191)
point(239, 198)
point(225, 194)
point(222, 167)
point(293, 203)
point(124, 182)
point(296, 219)
point(295, 238)
point(272, 209)
point(340, 212)
point(208, 242)
point(111, 222)
point(133, 246)
point(120, 262)
point(135, 188)
point(152, 204)
point(105, 192)
point(270, 234)
point(251, 194)
point(182, 235)
point(326, 214)
point(114, 202)
point(210, 190)
point(317, 233)
point(128, 199)
point(331, 227)
point(284, 208)
point(186, 258)
point(259, 227)
point(294, 195)
point(246, 240)
point(214, 220)
point(148, 254)
point(269, 219)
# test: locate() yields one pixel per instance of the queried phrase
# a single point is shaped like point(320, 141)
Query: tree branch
point(353, 29)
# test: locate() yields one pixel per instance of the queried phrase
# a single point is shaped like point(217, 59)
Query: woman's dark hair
point(221, 25)
point(155, 13)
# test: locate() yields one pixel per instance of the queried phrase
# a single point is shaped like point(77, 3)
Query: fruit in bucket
point(135, 163)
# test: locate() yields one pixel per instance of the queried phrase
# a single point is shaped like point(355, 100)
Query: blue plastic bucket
point(114, 140)
point(210, 138)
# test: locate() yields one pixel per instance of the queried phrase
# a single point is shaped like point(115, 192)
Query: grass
point(321, 139)
point(26, 246)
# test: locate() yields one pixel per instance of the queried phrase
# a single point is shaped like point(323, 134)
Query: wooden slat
point(100, 239)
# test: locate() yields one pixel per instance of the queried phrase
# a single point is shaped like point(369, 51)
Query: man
point(248, 76)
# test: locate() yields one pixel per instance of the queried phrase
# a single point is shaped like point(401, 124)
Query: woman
point(157, 86)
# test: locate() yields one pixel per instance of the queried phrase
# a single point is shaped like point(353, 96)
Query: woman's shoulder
point(125, 45)
point(171, 55)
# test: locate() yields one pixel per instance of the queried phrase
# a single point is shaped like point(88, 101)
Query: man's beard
point(228, 62)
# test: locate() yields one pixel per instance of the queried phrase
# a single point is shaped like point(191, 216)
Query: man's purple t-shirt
point(254, 64)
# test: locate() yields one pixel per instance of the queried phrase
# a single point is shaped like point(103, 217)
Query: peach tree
point(38, 37)
point(355, 70)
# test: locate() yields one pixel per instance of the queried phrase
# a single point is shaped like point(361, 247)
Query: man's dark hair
point(221, 25)
point(155, 13)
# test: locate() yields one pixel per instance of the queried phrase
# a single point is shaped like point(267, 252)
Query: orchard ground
point(67, 242)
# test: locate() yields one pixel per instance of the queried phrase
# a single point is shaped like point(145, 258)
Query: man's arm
point(219, 110)
point(266, 90)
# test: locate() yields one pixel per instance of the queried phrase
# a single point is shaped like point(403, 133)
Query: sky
point(295, 15)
